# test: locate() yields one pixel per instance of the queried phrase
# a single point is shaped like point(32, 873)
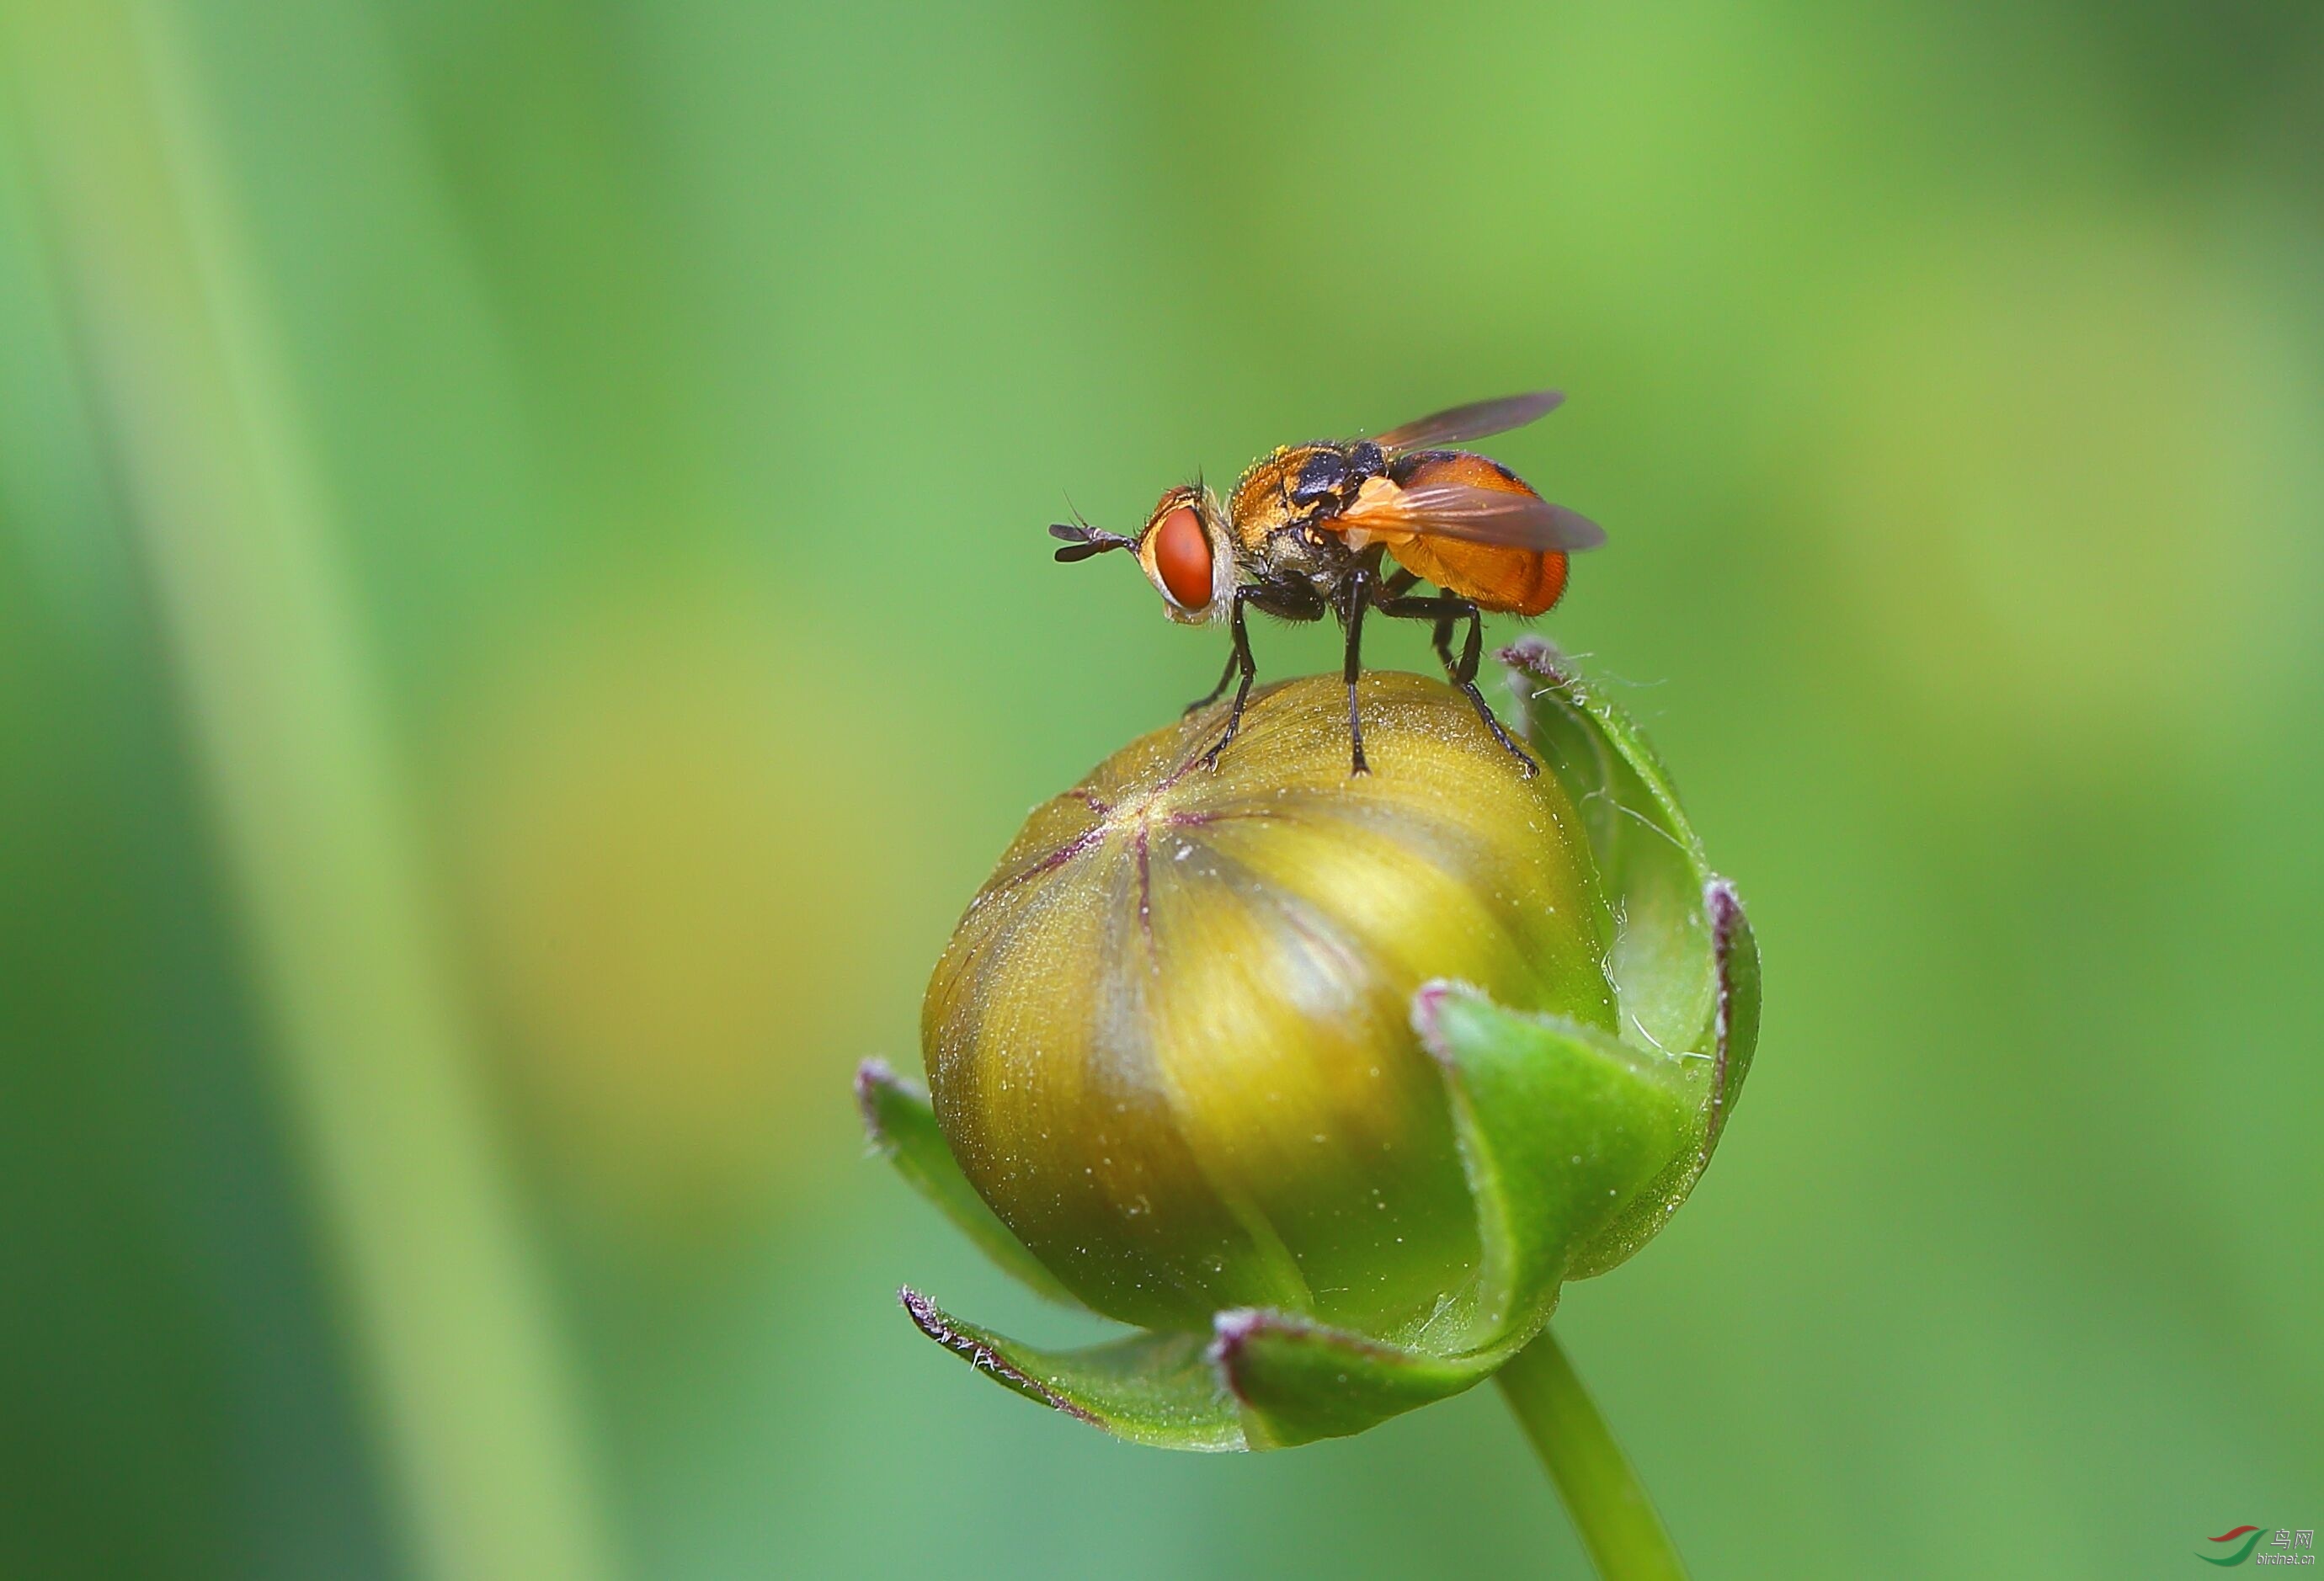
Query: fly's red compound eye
point(1182, 556)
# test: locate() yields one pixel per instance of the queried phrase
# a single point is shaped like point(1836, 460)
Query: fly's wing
point(1474, 421)
point(1472, 514)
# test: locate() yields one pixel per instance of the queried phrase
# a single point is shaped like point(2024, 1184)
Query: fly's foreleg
point(1239, 659)
point(1234, 663)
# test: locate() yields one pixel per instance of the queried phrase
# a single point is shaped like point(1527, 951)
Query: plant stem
point(1601, 1488)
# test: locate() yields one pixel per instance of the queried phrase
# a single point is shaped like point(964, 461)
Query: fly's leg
point(1446, 610)
point(1234, 662)
point(1465, 677)
point(1359, 598)
point(1239, 659)
point(1393, 590)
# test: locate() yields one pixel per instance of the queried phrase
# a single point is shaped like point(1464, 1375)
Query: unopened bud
point(1327, 1082)
point(1172, 1042)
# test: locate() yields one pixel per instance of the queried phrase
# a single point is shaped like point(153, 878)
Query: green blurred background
point(523, 615)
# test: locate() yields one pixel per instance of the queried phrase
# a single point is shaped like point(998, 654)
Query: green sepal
point(1717, 1075)
point(1649, 860)
point(1735, 950)
point(1298, 1380)
point(1559, 1128)
point(1155, 1387)
point(901, 1127)
point(1683, 961)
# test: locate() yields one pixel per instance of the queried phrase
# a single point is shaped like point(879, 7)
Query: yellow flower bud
point(1171, 1043)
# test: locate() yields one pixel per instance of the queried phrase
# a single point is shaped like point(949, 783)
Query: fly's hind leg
point(1393, 590)
point(1446, 610)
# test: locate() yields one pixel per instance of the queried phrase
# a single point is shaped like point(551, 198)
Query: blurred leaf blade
point(453, 1324)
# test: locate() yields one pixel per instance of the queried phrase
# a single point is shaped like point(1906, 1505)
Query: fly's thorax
point(1261, 504)
point(1283, 506)
point(1299, 483)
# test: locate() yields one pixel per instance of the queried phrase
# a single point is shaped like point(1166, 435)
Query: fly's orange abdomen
point(1510, 581)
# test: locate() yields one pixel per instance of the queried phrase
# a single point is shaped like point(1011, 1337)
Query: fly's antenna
point(1083, 540)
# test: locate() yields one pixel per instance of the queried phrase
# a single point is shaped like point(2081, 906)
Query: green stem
point(1601, 1488)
